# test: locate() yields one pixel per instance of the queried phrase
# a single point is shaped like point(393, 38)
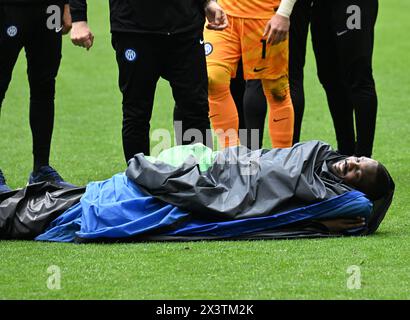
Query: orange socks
point(281, 114)
point(222, 109)
point(224, 116)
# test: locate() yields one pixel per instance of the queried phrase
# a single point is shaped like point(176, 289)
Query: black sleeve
point(78, 10)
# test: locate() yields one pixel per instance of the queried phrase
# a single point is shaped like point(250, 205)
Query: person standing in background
point(154, 39)
point(343, 40)
point(33, 25)
point(258, 34)
point(255, 107)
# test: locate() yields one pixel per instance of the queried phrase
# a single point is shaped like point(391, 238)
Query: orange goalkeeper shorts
point(243, 38)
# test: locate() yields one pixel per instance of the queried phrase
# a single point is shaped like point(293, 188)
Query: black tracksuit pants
point(298, 34)
point(25, 26)
point(142, 60)
point(344, 63)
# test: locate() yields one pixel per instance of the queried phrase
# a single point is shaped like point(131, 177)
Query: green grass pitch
point(87, 146)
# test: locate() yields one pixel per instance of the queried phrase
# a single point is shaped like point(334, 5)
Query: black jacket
point(149, 16)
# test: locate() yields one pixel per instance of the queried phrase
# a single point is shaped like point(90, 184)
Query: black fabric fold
point(26, 213)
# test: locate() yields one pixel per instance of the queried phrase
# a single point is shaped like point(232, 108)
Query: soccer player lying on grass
point(191, 193)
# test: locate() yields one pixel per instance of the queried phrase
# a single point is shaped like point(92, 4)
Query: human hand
point(67, 22)
point(277, 29)
point(217, 19)
point(81, 35)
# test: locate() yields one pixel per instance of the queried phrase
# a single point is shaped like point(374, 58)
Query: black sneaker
point(3, 186)
point(48, 174)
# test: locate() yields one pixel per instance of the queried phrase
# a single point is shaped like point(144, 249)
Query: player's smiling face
point(356, 172)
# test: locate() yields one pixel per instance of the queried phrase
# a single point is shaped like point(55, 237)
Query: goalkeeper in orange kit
point(257, 33)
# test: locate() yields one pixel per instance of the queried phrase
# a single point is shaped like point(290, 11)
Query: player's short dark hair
point(381, 185)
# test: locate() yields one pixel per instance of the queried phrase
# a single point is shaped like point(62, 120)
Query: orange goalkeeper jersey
point(251, 9)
